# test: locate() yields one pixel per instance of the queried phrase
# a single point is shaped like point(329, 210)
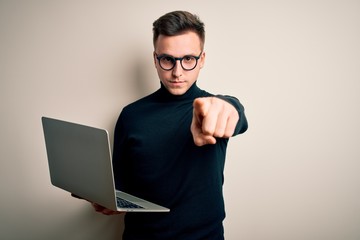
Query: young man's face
point(177, 80)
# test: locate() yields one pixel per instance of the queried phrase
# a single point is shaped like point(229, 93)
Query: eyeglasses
point(168, 62)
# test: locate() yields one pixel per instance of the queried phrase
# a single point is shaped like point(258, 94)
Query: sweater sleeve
point(242, 124)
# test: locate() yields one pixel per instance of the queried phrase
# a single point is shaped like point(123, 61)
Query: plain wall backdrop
point(295, 65)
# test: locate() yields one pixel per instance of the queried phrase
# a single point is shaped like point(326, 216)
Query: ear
point(154, 56)
point(202, 60)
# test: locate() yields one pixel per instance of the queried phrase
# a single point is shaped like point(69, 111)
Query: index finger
point(200, 106)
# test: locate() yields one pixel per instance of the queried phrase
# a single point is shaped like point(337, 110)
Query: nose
point(177, 70)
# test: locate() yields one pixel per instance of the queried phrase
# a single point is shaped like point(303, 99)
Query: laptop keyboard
point(122, 203)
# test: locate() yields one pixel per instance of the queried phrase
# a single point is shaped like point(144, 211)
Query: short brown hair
point(176, 23)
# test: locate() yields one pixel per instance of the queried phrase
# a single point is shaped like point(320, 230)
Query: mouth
point(176, 82)
point(176, 86)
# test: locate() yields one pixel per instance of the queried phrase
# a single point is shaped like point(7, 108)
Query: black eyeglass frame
point(175, 59)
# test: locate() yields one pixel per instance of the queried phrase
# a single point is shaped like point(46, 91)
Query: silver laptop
point(80, 162)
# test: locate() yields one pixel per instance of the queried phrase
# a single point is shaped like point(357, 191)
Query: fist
point(212, 118)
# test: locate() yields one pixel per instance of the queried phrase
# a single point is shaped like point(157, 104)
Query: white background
point(295, 65)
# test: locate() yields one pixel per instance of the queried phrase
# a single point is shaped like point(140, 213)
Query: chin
point(177, 92)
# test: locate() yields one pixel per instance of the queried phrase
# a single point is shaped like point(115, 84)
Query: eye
point(167, 59)
point(188, 58)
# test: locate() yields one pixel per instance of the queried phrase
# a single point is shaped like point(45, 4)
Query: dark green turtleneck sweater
point(155, 158)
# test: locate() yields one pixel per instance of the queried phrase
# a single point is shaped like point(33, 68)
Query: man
point(171, 145)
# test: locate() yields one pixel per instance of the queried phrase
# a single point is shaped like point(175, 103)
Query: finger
point(226, 123)
point(100, 209)
point(231, 125)
point(227, 119)
point(97, 207)
point(201, 106)
point(221, 124)
point(108, 212)
point(201, 140)
point(199, 137)
point(206, 111)
point(207, 139)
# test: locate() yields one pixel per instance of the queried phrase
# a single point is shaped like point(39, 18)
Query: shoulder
point(141, 103)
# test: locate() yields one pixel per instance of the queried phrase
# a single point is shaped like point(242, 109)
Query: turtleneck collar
point(192, 93)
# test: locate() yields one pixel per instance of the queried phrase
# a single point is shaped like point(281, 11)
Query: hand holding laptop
point(100, 209)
